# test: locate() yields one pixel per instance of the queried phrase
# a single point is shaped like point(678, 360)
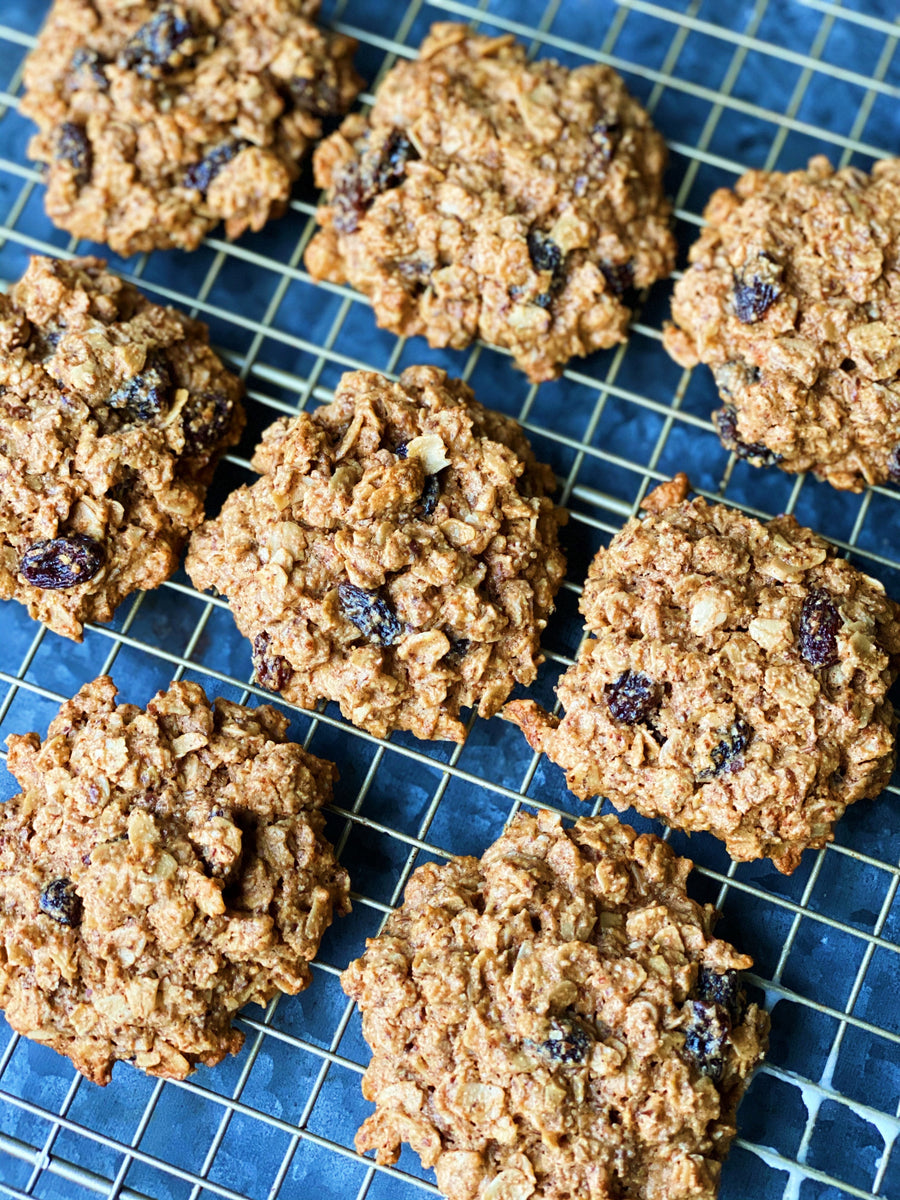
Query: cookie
point(792, 301)
point(488, 196)
point(113, 414)
point(160, 869)
point(399, 555)
point(159, 120)
point(556, 1020)
point(735, 680)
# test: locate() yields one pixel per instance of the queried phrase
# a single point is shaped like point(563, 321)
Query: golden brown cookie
point(113, 414)
point(488, 196)
point(792, 300)
point(399, 555)
point(556, 1020)
point(158, 120)
point(160, 869)
point(735, 680)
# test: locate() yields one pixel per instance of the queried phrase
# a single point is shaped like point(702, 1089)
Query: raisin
point(706, 1037)
point(724, 989)
point(431, 493)
point(200, 175)
point(632, 698)
point(73, 147)
point(459, 647)
point(273, 671)
point(86, 70)
point(619, 277)
point(401, 449)
point(206, 418)
point(319, 96)
point(158, 47)
point(146, 394)
point(725, 420)
point(819, 625)
point(544, 252)
point(386, 167)
point(62, 562)
point(893, 466)
point(60, 901)
point(569, 1042)
point(756, 290)
point(726, 754)
point(605, 136)
point(546, 256)
point(371, 615)
point(359, 181)
point(43, 341)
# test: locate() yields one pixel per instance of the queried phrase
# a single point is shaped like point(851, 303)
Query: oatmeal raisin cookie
point(735, 680)
point(556, 1020)
point(793, 300)
point(160, 869)
point(399, 554)
point(488, 196)
point(113, 414)
point(158, 120)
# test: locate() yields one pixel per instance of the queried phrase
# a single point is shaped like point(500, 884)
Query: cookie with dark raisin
point(113, 414)
point(399, 555)
point(160, 118)
point(161, 868)
point(792, 301)
point(521, 1009)
point(734, 679)
point(488, 196)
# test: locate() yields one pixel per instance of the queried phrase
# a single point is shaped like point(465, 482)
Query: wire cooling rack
point(732, 84)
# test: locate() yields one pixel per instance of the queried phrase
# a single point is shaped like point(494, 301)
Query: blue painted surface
point(823, 961)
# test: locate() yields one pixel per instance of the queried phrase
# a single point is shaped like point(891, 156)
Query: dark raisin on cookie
point(42, 342)
point(631, 698)
point(360, 181)
point(318, 95)
point(569, 1042)
point(60, 901)
point(431, 493)
point(725, 420)
point(724, 989)
point(706, 1037)
point(459, 647)
point(726, 754)
point(157, 48)
point(205, 418)
point(199, 176)
point(371, 614)
point(619, 277)
point(893, 466)
point(273, 671)
point(73, 147)
point(62, 562)
point(546, 255)
point(756, 289)
point(86, 70)
point(147, 394)
point(819, 625)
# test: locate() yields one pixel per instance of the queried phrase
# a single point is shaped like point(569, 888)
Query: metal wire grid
point(42, 1163)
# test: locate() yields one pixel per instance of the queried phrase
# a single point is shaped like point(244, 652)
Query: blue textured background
point(611, 424)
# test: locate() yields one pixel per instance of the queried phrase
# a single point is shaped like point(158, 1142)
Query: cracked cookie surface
point(488, 196)
point(160, 869)
point(159, 120)
point(735, 680)
point(114, 413)
point(556, 1020)
point(792, 301)
point(399, 554)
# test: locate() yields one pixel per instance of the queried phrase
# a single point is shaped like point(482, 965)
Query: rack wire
point(732, 84)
